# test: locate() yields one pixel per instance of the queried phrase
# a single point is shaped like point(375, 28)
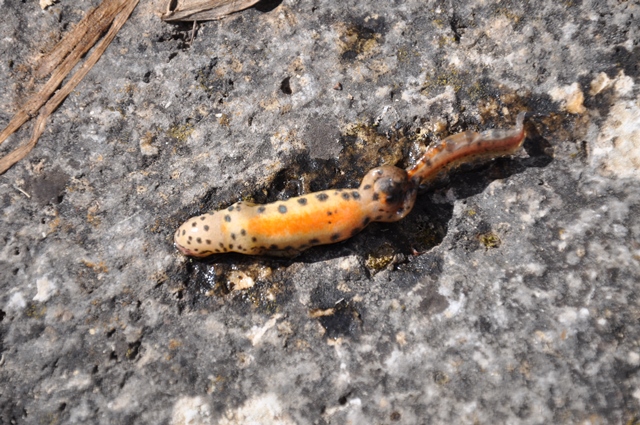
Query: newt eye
point(392, 199)
point(393, 189)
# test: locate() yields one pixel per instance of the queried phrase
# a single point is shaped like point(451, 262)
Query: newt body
point(386, 194)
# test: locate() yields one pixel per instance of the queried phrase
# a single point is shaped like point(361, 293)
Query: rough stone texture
point(507, 296)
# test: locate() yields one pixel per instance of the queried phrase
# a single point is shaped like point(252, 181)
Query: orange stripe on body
point(301, 224)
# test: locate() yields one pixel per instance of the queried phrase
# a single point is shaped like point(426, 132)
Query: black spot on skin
point(183, 232)
point(216, 250)
point(188, 242)
point(231, 208)
point(233, 236)
point(366, 187)
point(254, 239)
point(202, 217)
point(230, 246)
point(239, 246)
point(381, 210)
point(221, 245)
point(199, 240)
point(243, 232)
point(335, 237)
point(211, 213)
point(329, 213)
point(237, 207)
point(328, 222)
point(355, 194)
point(345, 196)
point(206, 252)
point(375, 196)
point(261, 209)
point(314, 241)
point(227, 218)
point(378, 217)
point(194, 224)
point(366, 221)
point(190, 237)
point(356, 231)
point(208, 241)
point(302, 201)
point(322, 197)
point(206, 228)
point(282, 209)
point(273, 247)
point(195, 250)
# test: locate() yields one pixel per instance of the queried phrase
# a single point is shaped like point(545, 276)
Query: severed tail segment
point(466, 147)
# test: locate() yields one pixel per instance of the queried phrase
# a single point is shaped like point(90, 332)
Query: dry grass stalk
point(111, 15)
point(203, 10)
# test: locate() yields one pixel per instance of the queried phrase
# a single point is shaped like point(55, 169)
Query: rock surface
point(507, 296)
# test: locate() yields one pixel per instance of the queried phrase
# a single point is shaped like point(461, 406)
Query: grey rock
point(507, 296)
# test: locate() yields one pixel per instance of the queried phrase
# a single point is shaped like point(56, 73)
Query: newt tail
point(468, 146)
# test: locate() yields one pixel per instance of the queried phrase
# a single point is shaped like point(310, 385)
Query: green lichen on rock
point(439, 79)
point(380, 258)
point(180, 132)
point(489, 240)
